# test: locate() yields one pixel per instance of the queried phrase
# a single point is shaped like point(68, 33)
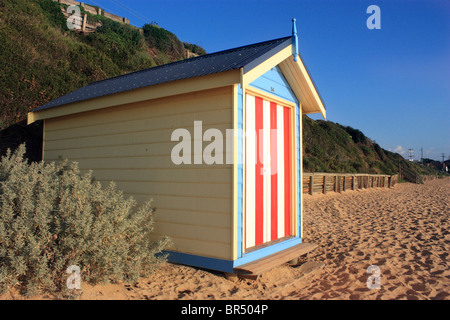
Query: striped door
point(268, 171)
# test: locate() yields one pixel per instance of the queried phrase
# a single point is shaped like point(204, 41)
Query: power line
point(100, 6)
point(131, 11)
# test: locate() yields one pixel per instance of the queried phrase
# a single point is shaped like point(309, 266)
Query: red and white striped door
point(268, 171)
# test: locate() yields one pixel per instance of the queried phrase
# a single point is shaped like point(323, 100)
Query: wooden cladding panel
point(131, 145)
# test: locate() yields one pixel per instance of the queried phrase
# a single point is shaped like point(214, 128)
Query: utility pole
point(443, 163)
point(421, 155)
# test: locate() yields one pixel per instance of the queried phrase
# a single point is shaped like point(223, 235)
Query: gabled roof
point(246, 57)
point(240, 65)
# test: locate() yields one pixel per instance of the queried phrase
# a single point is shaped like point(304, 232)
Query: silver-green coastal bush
point(52, 217)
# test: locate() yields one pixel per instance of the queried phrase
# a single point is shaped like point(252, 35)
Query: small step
point(254, 268)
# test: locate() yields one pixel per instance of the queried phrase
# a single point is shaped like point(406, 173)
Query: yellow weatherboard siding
point(126, 138)
point(234, 220)
point(131, 145)
point(147, 93)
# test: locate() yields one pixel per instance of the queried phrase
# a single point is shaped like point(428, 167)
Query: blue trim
point(228, 265)
point(240, 173)
point(274, 83)
point(299, 169)
point(267, 251)
point(294, 40)
point(199, 261)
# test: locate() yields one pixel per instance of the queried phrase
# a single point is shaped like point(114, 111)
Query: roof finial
point(294, 40)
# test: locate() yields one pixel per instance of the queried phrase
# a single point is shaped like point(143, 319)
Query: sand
point(403, 232)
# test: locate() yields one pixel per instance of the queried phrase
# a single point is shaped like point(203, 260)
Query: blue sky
point(392, 83)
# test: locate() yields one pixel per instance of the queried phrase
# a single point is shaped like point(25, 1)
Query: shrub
point(357, 135)
point(52, 217)
point(164, 40)
point(194, 48)
point(357, 165)
point(118, 41)
point(379, 151)
point(367, 151)
point(53, 13)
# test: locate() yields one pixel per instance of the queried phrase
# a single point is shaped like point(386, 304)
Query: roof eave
point(212, 81)
point(267, 55)
point(294, 71)
point(303, 86)
point(252, 72)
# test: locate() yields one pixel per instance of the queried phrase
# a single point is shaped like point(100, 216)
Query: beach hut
point(215, 140)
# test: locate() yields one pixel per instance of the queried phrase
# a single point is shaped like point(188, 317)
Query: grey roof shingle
point(246, 57)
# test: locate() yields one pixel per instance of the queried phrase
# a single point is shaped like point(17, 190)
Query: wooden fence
point(409, 175)
point(319, 182)
point(82, 23)
point(430, 177)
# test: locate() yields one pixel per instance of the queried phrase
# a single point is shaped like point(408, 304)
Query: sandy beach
point(403, 231)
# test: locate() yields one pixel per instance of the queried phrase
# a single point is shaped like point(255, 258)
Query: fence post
point(83, 25)
point(338, 183)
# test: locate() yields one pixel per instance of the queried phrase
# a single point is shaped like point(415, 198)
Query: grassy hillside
point(42, 60)
point(331, 147)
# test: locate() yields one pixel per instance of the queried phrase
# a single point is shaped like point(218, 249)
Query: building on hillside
point(215, 140)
